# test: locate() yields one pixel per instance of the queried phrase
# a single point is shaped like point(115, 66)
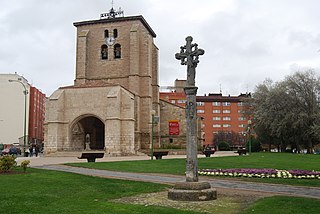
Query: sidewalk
point(42, 160)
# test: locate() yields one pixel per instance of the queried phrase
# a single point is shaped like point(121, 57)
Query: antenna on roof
point(112, 13)
point(220, 89)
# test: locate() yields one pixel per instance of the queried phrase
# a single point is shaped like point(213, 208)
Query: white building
point(12, 108)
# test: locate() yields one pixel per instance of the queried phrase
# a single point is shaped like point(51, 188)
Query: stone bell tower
point(115, 51)
point(121, 50)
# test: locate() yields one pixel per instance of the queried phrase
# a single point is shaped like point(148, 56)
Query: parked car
point(11, 151)
point(5, 151)
point(14, 151)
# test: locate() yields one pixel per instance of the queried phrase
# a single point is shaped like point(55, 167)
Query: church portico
point(105, 113)
point(88, 126)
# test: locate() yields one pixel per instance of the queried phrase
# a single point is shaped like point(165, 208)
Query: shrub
point(224, 146)
point(24, 164)
point(7, 162)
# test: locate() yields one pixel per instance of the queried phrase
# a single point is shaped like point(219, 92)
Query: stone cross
point(189, 55)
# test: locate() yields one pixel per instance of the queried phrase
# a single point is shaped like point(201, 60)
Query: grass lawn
point(255, 160)
point(284, 204)
point(44, 191)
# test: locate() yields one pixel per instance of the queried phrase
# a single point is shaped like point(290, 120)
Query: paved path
point(171, 179)
point(47, 160)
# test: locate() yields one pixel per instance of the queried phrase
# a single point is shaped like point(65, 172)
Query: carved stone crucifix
point(189, 55)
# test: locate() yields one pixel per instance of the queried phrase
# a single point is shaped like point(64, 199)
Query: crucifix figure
point(189, 55)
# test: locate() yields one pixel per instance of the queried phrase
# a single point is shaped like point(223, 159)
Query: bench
point(159, 154)
point(241, 152)
point(91, 156)
point(207, 153)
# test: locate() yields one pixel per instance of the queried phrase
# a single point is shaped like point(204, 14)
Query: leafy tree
point(286, 113)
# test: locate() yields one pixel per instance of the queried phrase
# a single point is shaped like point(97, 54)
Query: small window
point(226, 111)
point(115, 33)
point(216, 111)
point(226, 103)
point(216, 118)
point(200, 103)
point(216, 125)
point(226, 125)
point(200, 111)
point(106, 34)
point(216, 103)
point(104, 52)
point(226, 118)
point(117, 51)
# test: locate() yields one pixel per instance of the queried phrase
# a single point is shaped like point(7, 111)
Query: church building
point(115, 92)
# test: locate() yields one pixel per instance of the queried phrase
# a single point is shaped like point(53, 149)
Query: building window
point(226, 118)
point(239, 111)
point(216, 118)
point(240, 103)
point(117, 51)
point(241, 125)
point(200, 103)
point(216, 111)
point(173, 101)
point(182, 101)
point(216, 125)
point(216, 103)
point(200, 111)
point(226, 125)
point(115, 33)
point(241, 118)
point(106, 34)
point(104, 52)
point(226, 111)
point(226, 103)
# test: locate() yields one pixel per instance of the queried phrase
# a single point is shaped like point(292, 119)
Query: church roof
point(118, 19)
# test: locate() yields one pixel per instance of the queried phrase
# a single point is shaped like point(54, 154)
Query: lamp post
point(154, 120)
point(249, 133)
point(25, 92)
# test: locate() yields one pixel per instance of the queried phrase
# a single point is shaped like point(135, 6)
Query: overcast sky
point(245, 41)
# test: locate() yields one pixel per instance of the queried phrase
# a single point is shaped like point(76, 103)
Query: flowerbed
point(262, 173)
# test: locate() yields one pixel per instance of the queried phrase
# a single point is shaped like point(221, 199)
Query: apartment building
point(21, 110)
point(219, 113)
point(222, 114)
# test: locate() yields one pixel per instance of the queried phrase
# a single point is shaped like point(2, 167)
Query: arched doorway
point(88, 125)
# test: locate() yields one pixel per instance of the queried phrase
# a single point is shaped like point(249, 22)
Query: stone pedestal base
point(192, 191)
point(87, 146)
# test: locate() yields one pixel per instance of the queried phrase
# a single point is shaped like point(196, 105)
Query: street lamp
point(154, 121)
point(249, 132)
point(25, 92)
